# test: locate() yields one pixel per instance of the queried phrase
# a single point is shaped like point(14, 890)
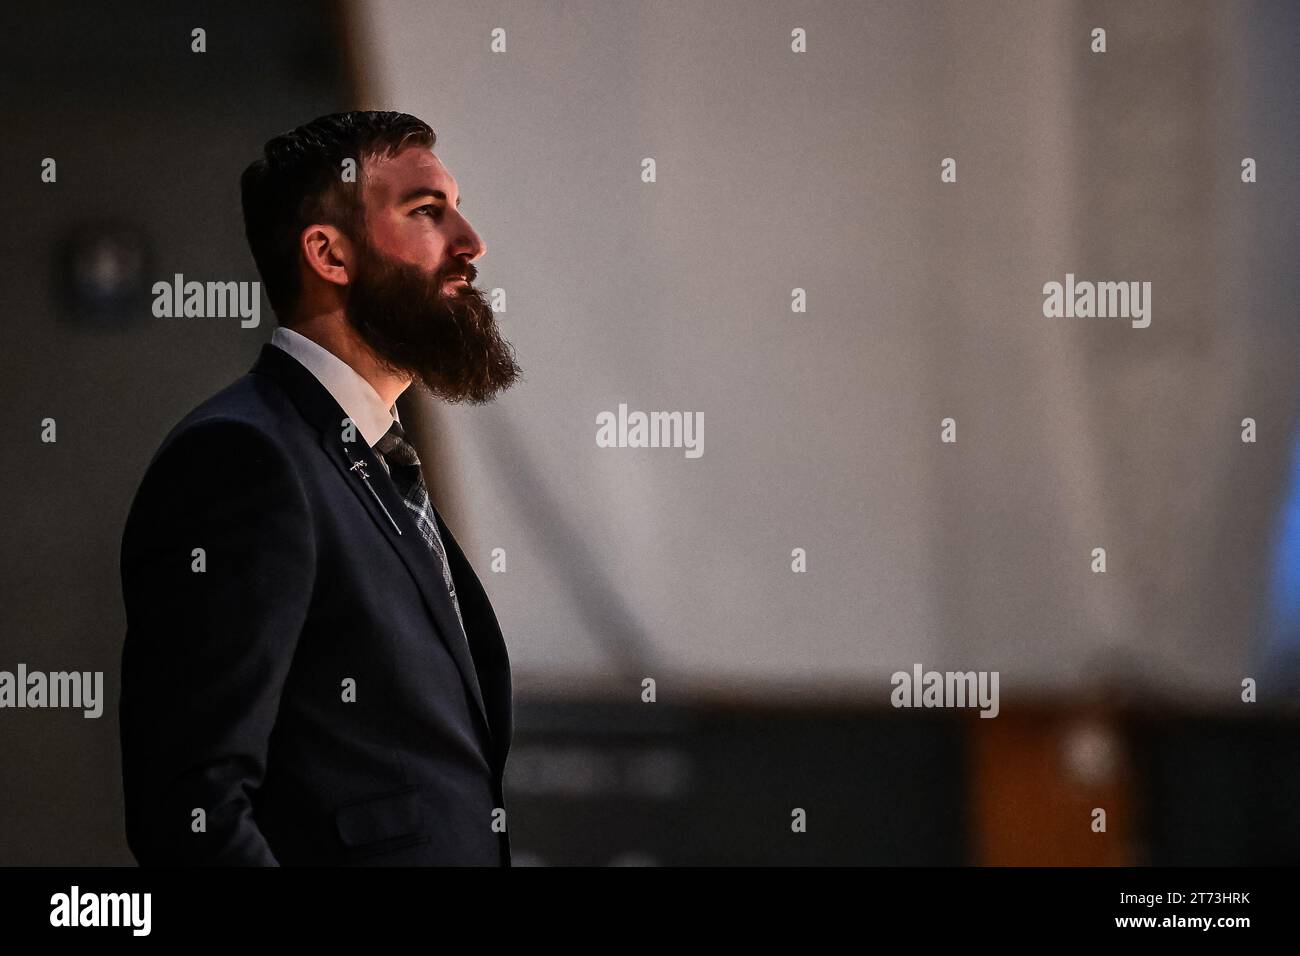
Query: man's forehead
point(390, 177)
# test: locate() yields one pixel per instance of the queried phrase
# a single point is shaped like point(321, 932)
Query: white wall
point(821, 171)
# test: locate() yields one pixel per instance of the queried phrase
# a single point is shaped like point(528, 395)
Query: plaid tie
point(404, 466)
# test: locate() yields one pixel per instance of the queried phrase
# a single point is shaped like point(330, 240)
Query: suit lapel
point(380, 498)
point(362, 472)
point(491, 659)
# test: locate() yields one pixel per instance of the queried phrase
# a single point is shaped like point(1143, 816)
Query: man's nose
point(469, 243)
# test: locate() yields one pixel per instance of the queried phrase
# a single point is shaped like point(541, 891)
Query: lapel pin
point(359, 467)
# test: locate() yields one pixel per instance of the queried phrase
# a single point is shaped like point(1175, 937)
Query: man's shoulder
point(253, 410)
point(232, 466)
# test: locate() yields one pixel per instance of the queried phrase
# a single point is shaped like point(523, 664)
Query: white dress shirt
point(357, 397)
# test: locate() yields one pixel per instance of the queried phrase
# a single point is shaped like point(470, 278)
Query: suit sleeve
point(210, 639)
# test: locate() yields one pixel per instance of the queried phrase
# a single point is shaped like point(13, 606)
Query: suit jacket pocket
point(380, 819)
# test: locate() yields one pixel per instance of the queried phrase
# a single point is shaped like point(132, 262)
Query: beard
point(447, 342)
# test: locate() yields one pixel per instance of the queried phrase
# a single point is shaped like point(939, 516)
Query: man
point(312, 673)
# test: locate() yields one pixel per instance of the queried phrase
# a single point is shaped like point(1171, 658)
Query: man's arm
point(209, 639)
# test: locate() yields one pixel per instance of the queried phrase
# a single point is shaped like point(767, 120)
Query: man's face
point(411, 296)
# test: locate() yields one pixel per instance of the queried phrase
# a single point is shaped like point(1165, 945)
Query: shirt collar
point(357, 397)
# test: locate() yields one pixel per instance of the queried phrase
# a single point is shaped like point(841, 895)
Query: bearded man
point(312, 672)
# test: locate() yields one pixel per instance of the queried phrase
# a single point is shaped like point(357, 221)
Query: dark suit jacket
point(234, 677)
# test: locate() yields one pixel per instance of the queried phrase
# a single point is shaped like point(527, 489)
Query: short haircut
point(299, 181)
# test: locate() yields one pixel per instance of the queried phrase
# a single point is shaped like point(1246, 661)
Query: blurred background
point(775, 171)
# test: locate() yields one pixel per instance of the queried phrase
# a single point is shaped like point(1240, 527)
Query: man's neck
point(332, 332)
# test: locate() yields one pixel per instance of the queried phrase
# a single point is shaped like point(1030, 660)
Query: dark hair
point(298, 181)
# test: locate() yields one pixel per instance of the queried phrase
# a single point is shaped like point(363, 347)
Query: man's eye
point(430, 208)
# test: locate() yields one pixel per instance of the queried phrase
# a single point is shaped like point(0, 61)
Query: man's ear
point(327, 253)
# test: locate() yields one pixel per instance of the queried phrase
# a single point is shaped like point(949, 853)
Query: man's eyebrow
point(413, 194)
